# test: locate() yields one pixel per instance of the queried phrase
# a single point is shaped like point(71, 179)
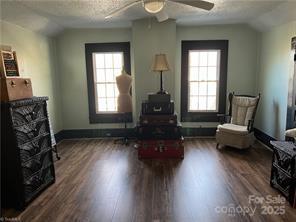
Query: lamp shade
point(160, 63)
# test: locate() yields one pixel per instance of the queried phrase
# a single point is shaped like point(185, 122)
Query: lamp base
point(161, 92)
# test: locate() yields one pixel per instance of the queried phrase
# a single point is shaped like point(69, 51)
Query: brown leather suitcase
point(158, 120)
point(15, 88)
point(157, 108)
point(159, 132)
point(161, 149)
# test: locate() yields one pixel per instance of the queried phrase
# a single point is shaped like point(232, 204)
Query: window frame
point(203, 116)
point(90, 48)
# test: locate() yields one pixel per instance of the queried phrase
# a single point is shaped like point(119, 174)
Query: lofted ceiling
point(52, 16)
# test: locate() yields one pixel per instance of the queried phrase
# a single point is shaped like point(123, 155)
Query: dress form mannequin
point(124, 100)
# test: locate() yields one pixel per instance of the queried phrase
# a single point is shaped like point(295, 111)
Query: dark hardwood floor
point(100, 181)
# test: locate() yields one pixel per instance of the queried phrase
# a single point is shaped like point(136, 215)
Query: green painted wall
point(147, 38)
point(150, 37)
point(36, 55)
point(242, 57)
point(257, 63)
point(275, 66)
point(68, 87)
point(72, 72)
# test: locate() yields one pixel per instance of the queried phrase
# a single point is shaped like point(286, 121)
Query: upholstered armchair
point(291, 135)
point(236, 128)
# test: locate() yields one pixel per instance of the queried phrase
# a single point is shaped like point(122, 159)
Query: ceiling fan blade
point(125, 7)
point(162, 16)
point(196, 3)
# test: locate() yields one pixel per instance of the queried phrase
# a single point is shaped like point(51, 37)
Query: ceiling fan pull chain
point(149, 23)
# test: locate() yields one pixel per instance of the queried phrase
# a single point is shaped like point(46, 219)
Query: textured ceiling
point(52, 16)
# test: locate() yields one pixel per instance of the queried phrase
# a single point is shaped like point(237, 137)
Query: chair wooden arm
point(250, 125)
point(224, 118)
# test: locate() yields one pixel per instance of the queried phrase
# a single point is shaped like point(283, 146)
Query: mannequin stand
point(125, 140)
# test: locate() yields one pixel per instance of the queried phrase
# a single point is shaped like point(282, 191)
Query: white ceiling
point(51, 16)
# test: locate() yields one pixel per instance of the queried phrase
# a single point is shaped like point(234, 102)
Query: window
point(203, 81)
point(107, 67)
point(104, 61)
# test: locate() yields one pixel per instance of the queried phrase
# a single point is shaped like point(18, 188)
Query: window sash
point(106, 98)
point(189, 96)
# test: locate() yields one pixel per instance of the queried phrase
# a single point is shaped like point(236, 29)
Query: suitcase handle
point(157, 110)
point(27, 83)
point(161, 148)
point(12, 83)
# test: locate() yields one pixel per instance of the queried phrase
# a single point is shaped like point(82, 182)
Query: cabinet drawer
point(35, 164)
point(28, 132)
point(26, 114)
point(281, 181)
point(38, 182)
point(28, 150)
point(284, 161)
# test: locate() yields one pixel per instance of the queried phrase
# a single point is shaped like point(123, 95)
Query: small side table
point(283, 170)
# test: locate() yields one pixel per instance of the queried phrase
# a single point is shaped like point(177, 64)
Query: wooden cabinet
point(26, 151)
point(283, 170)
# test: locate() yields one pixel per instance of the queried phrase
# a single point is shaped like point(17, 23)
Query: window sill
point(200, 117)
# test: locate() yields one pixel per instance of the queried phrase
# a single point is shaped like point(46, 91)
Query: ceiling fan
point(156, 7)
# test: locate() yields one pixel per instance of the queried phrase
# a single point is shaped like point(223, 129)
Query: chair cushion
point(234, 129)
point(243, 109)
point(291, 133)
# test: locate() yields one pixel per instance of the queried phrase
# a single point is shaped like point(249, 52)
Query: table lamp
point(160, 64)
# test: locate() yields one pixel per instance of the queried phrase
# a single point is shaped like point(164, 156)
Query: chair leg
point(55, 149)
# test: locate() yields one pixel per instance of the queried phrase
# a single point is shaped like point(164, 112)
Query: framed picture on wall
point(8, 64)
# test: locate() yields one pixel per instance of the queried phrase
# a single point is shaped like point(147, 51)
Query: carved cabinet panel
point(26, 151)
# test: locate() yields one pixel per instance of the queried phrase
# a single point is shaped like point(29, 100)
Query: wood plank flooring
point(100, 181)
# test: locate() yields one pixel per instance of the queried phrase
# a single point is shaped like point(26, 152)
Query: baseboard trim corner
point(263, 137)
point(59, 136)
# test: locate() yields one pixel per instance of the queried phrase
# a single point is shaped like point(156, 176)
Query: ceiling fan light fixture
point(153, 6)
